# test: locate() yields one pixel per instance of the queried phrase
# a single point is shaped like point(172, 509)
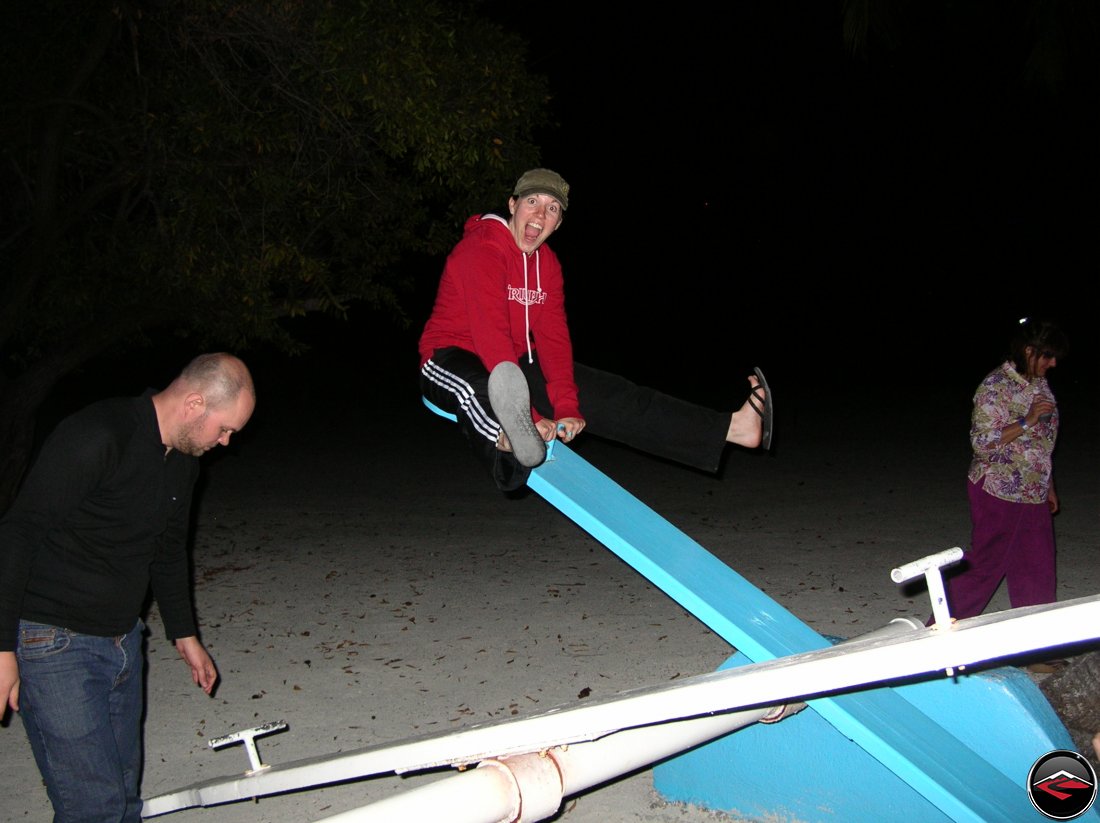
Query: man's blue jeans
point(81, 700)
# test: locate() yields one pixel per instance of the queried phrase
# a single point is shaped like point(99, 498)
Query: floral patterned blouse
point(1018, 471)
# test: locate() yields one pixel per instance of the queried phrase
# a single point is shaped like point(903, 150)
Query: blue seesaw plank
point(913, 746)
point(920, 751)
point(726, 602)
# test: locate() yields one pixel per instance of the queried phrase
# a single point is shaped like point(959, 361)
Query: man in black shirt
point(102, 517)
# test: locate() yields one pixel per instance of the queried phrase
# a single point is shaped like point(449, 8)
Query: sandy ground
point(357, 577)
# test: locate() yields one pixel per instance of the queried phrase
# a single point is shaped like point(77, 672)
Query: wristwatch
point(1023, 423)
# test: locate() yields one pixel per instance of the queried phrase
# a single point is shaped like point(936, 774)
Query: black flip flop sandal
point(763, 407)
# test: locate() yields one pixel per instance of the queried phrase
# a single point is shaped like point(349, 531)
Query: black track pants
point(613, 407)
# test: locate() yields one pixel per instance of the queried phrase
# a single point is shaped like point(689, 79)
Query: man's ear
point(511, 205)
point(194, 404)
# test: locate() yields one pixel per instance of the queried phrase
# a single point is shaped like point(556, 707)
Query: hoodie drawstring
point(527, 302)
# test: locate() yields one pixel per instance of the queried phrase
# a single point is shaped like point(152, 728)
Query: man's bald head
point(211, 400)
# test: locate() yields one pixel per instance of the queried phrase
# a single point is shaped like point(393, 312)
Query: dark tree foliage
point(206, 169)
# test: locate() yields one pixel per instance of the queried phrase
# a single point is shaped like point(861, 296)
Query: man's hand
point(203, 671)
point(9, 683)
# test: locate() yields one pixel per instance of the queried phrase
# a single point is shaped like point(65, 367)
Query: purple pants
point(1009, 541)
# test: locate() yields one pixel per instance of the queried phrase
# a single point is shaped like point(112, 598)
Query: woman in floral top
point(1013, 430)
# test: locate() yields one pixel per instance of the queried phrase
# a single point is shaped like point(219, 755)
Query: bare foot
point(746, 426)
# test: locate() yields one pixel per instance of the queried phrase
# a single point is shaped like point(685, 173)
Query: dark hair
point(1043, 336)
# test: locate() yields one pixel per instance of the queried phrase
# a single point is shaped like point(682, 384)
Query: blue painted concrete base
point(803, 769)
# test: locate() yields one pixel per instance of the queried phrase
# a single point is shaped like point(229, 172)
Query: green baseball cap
point(543, 181)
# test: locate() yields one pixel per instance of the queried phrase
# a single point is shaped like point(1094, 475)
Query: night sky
point(745, 191)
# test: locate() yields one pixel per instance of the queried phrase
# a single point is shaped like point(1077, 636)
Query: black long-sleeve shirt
point(102, 515)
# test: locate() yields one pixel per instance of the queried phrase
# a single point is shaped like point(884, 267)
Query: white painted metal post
point(930, 567)
point(248, 737)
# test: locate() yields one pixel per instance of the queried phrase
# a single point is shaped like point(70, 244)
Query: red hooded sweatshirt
point(502, 304)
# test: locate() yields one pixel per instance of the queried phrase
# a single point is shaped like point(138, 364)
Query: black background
point(745, 191)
